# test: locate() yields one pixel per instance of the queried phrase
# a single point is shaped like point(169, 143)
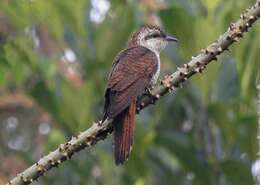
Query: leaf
point(230, 169)
point(227, 87)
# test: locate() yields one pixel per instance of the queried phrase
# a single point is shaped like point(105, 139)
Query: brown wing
point(132, 72)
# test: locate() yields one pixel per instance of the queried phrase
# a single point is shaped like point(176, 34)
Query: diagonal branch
point(171, 82)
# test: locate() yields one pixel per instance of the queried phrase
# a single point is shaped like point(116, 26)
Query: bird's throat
point(157, 73)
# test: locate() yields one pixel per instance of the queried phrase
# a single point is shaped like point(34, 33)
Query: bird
point(134, 70)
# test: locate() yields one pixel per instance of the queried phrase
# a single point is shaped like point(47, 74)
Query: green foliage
point(203, 135)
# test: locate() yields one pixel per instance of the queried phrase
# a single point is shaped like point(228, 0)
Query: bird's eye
point(154, 35)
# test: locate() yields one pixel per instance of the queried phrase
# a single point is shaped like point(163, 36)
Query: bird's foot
point(101, 122)
point(148, 90)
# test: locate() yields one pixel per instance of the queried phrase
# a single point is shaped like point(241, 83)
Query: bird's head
point(151, 37)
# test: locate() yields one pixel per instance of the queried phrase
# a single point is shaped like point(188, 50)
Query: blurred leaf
point(227, 89)
point(244, 176)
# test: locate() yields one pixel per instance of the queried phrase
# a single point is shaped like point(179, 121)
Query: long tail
point(124, 125)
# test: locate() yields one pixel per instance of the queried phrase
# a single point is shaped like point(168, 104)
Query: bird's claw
point(148, 90)
point(100, 123)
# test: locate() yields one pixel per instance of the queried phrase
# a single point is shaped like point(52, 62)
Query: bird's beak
point(171, 38)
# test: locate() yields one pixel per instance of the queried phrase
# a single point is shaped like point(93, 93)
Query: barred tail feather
point(124, 125)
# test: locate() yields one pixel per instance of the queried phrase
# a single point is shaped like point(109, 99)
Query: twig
point(171, 82)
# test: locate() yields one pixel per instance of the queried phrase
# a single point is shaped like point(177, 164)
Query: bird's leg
point(148, 90)
point(100, 123)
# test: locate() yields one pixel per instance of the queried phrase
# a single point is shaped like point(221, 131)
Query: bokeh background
point(54, 60)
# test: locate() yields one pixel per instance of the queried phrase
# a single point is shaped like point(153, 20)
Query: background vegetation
point(54, 60)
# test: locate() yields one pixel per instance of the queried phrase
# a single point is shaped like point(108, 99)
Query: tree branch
point(171, 82)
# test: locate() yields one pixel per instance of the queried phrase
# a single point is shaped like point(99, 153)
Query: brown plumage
point(133, 70)
point(130, 75)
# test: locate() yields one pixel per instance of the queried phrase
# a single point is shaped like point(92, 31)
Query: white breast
point(156, 75)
